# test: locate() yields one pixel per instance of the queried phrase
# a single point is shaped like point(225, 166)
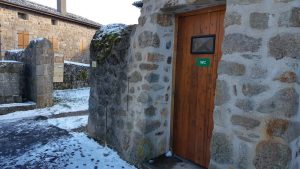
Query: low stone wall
point(37, 82)
point(11, 82)
point(110, 119)
point(76, 75)
point(17, 55)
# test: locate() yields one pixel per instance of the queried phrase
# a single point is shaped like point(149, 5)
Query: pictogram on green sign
point(203, 62)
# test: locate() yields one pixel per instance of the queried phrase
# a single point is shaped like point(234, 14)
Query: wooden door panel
point(195, 86)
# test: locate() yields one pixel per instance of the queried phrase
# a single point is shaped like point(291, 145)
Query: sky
point(101, 11)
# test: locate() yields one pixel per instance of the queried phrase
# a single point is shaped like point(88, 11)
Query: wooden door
point(195, 86)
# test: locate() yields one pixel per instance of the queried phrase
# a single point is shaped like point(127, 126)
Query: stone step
point(13, 107)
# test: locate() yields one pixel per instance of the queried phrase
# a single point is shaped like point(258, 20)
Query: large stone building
point(22, 21)
point(214, 81)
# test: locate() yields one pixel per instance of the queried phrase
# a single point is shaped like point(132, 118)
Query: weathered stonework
point(39, 67)
point(257, 90)
point(265, 101)
point(11, 82)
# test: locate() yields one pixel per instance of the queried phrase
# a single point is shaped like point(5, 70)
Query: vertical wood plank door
point(195, 85)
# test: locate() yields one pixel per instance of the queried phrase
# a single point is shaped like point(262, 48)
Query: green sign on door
point(203, 62)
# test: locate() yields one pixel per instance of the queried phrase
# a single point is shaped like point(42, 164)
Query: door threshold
point(174, 162)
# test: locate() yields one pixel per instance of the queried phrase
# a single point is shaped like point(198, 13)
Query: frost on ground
point(51, 143)
point(65, 101)
point(69, 123)
point(76, 63)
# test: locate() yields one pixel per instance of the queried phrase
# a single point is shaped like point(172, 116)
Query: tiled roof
point(45, 9)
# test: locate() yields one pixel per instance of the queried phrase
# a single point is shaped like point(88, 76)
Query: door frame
point(177, 16)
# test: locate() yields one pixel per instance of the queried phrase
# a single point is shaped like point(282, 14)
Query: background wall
point(75, 75)
point(73, 39)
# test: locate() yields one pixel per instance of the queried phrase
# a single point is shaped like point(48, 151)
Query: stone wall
point(39, 65)
point(69, 35)
point(11, 82)
point(76, 75)
point(111, 118)
point(256, 117)
point(16, 55)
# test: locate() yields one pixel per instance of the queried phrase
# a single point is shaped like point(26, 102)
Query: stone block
point(232, 18)
point(155, 57)
point(148, 126)
point(149, 39)
point(287, 77)
point(163, 20)
point(277, 127)
point(152, 77)
point(245, 105)
point(138, 56)
point(246, 122)
point(150, 111)
point(222, 148)
point(231, 68)
point(142, 20)
point(148, 67)
point(284, 103)
point(271, 154)
point(295, 17)
point(239, 43)
point(252, 89)
point(144, 98)
point(135, 77)
point(258, 72)
point(285, 45)
point(222, 93)
point(259, 20)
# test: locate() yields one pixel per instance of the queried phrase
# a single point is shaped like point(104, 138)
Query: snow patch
point(9, 61)
point(15, 50)
point(109, 29)
point(77, 151)
point(17, 104)
point(38, 40)
point(77, 63)
point(169, 154)
point(69, 123)
point(66, 101)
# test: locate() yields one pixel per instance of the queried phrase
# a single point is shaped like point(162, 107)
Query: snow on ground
point(9, 61)
point(65, 101)
point(76, 63)
point(78, 151)
point(69, 123)
point(17, 104)
point(38, 144)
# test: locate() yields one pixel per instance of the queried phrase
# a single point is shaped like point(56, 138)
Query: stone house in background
point(216, 82)
point(22, 20)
